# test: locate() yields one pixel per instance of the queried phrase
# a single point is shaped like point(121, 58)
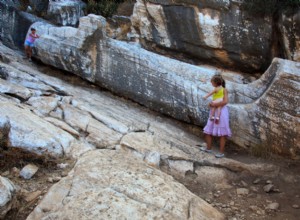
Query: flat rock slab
point(32, 132)
point(108, 185)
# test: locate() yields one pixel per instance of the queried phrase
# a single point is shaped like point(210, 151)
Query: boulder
point(216, 32)
point(65, 13)
point(30, 132)
point(263, 113)
point(28, 171)
point(7, 191)
point(120, 187)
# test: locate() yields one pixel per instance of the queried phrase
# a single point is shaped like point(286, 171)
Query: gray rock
point(181, 166)
point(268, 188)
point(296, 206)
point(44, 104)
point(242, 191)
point(56, 178)
point(256, 181)
point(269, 182)
point(244, 184)
point(254, 189)
point(62, 165)
point(28, 171)
point(212, 177)
point(273, 206)
point(153, 159)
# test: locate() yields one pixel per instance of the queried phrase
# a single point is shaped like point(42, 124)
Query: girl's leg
point(222, 144)
point(27, 51)
point(212, 116)
point(30, 52)
point(208, 139)
point(218, 115)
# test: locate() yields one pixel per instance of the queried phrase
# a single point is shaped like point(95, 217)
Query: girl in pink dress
point(220, 129)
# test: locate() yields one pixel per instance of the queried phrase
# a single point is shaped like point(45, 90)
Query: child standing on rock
point(218, 94)
point(29, 43)
point(217, 127)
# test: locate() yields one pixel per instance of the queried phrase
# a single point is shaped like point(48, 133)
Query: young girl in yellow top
point(217, 96)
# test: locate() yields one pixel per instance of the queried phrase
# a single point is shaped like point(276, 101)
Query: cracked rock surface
point(121, 149)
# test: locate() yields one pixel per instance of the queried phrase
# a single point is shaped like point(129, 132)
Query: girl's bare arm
point(209, 94)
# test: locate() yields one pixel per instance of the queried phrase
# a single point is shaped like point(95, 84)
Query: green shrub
point(270, 7)
point(23, 5)
point(106, 8)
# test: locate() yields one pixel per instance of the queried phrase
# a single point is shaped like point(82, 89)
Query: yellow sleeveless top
point(219, 94)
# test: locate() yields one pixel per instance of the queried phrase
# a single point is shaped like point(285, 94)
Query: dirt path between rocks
point(256, 203)
point(30, 192)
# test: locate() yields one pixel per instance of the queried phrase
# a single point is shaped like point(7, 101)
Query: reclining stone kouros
point(263, 113)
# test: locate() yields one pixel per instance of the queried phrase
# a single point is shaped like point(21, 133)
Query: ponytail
point(223, 82)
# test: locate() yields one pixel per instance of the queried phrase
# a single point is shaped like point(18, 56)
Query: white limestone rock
point(28, 171)
point(7, 191)
point(44, 105)
point(31, 132)
point(122, 187)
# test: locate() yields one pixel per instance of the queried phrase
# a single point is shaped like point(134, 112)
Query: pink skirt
point(220, 129)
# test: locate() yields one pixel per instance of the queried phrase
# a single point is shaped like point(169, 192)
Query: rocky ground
point(120, 148)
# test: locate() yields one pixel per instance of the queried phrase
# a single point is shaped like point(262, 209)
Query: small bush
point(106, 8)
point(270, 7)
point(23, 4)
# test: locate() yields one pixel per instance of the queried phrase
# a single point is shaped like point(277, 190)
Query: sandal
point(205, 149)
point(219, 155)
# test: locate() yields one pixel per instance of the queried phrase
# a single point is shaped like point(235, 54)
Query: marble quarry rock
point(219, 32)
point(263, 113)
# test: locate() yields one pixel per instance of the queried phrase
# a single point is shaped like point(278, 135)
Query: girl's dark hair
point(218, 80)
point(32, 29)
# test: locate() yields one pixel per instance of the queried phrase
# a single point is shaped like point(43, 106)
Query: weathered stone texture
point(65, 13)
point(217, 32)
point(176, 88)
point(32, 133)
point(7, 192)
point(14, 25)
point(290, 34)
point(118, 186)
